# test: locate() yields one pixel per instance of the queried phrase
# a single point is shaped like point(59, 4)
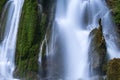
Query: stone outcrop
point(97, 52)
point(113, 70)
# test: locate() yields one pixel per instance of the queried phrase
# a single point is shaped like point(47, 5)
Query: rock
point(2, 3)
point(35, 20)
point(113, 70)
point(97, 77)
point(97, 52)
point(28, 40)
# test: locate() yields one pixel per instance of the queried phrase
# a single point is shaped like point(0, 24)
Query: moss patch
point(115, 6)
point(2, 3)
point(113, 71)
point(32, 29)
point(30, 34)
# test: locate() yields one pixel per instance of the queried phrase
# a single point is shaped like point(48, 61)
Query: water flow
point(10, 21)
point(111, 37)
point(68, 49)
point(75, 41)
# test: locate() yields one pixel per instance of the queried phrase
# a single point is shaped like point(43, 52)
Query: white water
point(11, 16)
point(68, 49)
point(75, 24)
point(111, 37)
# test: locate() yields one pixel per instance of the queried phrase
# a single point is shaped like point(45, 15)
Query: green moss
point(30, 34)
point(2, 2)
point(113, 71)
point(115, 6)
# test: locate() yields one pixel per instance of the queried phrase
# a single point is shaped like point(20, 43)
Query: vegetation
point(2, 3)
point(31, 32)
point(113, 72)
point(115, 6)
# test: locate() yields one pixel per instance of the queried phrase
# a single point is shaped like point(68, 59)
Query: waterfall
point(111, 37)
point(9, 23)
point(67, 49)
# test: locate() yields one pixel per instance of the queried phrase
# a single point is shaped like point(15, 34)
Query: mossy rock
point(115, 6)
point(113, 70)
point(97, 52)
point(2, 3)
point(28, 40)
point(2, 20)
point(32, 29)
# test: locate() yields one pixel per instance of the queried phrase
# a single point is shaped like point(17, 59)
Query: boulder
point(113, 69)
point(97, 52)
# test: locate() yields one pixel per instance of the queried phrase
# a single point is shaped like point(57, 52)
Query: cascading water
point(67, 52)
point(9, 21)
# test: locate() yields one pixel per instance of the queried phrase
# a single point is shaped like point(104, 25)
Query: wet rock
point(97, 52)
point(35, 20)
point(2, 3)
point(97, 77)
point(113, 70)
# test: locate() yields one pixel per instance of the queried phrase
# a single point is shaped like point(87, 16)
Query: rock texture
point(2, 3)
point(113, 70)
point(97, 52)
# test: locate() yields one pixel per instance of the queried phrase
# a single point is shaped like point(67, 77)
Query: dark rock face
point(47, 18)
point(2, 3)
point(113, 70)
point(97, 52)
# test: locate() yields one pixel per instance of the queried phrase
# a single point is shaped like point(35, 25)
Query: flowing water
point(9, 23)
point(67, 51)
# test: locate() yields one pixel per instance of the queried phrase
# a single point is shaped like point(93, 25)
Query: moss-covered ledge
point(28, 40)
point(35, 19)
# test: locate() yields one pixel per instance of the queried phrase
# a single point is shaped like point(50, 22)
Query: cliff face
point(37, 16)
